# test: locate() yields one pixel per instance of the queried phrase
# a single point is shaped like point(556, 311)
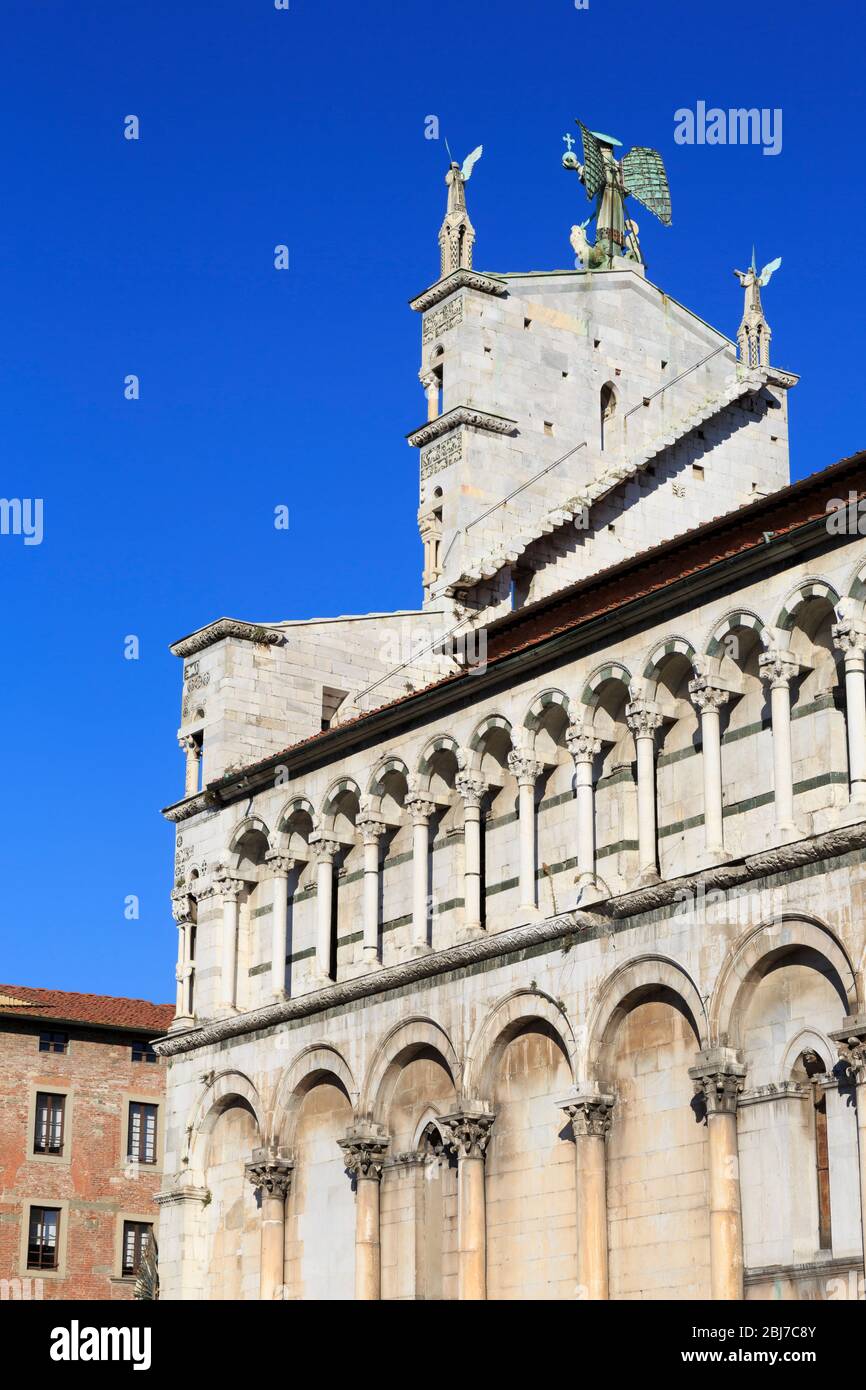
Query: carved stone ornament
point(705, 696)
point(222, 628)
point(778, 668)
point(270, 1172)
point(457, 280)
point(851, 1042)
point(461, 415)
point(582, 744)
point(643, 718)
point(364, 1152)
point(441, 455)
point(470, 788)
point(467, 1132)
point(524, 767)
point(590, 1115)
point(720, 1079)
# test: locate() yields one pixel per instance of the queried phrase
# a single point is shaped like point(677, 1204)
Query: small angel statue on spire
point(457, 234)
point(754, 332)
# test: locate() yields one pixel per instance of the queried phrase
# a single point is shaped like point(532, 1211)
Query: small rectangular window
point(136, 1238)
point(548, 427)
point(698, 472)
point(331, 701)
point(48, 1129)
point(42, 1238)
point(53, 1042)
point(142, 1051)
point(141, 1138)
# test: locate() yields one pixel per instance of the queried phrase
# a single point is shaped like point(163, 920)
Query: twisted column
point(850, 639)
point(325, 851)
point(526, 769)
point(281, 867)
point(270, 1173)
point(590, 1117)
point(472, 790)
point(719, 1079)
point(708, 700)
point(643, 719)
point(372, 829)
point(363, 1152)
point(467, 1133)
point(584, 748)
point(421, 808)
point(778, 669)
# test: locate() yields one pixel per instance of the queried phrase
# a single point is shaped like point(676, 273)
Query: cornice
point(454, 419)
point(790, 856)
point(222, 628)
point(457, 280)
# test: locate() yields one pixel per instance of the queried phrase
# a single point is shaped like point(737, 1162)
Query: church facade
point(521, 935)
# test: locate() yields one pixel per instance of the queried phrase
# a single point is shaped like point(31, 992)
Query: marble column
point(430, 382)
point(270, 1173)
point(467, 1133)
point(183, 911)
point(718, 1079)
point(644, 718)
point(363, 1152)
point(590, 1117)
point(281, 867)
point(472, 790)
point(372, 828)
point(325, 851)
point(422, 809)
point(708, 700)
point(778, 669)
point(191, 748)
point(584, 748)
point(229, 889)
point(850, 639)
point(851, 1041)
point(526, 769)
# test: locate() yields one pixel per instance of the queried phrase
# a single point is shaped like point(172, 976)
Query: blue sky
point(306, 127)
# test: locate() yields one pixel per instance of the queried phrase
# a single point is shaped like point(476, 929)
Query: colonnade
point(643, 716)
point(717, 1077)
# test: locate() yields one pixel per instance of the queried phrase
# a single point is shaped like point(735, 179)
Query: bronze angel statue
point(640, 173)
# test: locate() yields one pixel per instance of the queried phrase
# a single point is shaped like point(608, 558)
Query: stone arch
point(637, 981)
point(382, 770)
point(534, 716)
point(758, 949)
point(803, 1041)
point(801, 593)
point(443, 743)
point(252, 826)
point(221, 1091)
point(340, 806)
point(313, 1064)
point(296, 812)
point(501, 1024)
point(610, 671)
point(856, 588)
point(404, 1041)
point(658, 658)
point(737, 618)
point(482, 730)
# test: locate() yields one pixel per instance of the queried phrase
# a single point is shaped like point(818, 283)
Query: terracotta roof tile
point(20, 1001)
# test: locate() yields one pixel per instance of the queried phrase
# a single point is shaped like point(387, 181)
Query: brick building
point(81, 1140)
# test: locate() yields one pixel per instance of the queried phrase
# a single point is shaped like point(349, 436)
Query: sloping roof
point(688, 554)
point(136, 1015)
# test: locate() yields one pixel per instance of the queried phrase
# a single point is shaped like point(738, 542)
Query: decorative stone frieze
point(457, 280)
point(435, 324)
point(440, 456)
point(461, 415)
point(222, 628)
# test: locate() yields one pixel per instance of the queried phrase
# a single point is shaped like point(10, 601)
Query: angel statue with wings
point(754, 333)
point(457, 234)
point(610, 181)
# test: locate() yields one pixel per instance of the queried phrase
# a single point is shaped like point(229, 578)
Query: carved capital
point(778, 668)
point(371, 826)
point(324, 849)
point(706, 697)
point(189, 744)
point(227, 886)
point(471, 788)
point(849, 636)
point(590, 1114)
point(582, 743)
point(280, 865)
point(524, 767)
point(270, 1171)
point(364, 1152)
point(420, 807)
point(720, 1079)
point(182, 907)
point(643, 718)
point(466, 1132)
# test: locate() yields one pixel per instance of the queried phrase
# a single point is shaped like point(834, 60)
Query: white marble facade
point(545, 980)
